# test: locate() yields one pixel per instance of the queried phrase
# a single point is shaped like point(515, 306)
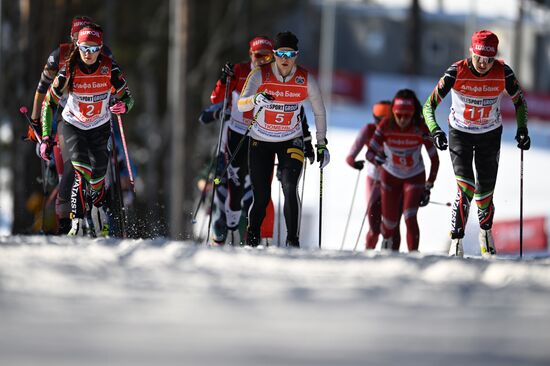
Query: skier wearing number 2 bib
point(477, 85)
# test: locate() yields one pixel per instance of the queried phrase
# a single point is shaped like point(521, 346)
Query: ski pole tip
point(23, 109)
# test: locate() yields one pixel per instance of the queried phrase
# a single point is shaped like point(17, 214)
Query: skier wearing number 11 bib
point(477, 85)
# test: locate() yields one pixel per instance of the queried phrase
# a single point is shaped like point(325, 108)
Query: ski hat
point(260, 43)
point(403, 106)
point(79, 22)
point(484, 43)
point(286, 39)
point(90, 34)
point(381, 109)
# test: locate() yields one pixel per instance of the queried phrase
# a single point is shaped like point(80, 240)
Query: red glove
point(118, 108)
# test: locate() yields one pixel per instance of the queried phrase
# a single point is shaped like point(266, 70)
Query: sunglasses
point(486, 60)
point(403, 115)
point(262, 56)
point(90, 49)
point(286, 54)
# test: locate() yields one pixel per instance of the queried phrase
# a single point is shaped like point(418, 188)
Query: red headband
point(78, 23)
point(88, 34)
point(484, 43)
point(403, 106)
point(261, 44)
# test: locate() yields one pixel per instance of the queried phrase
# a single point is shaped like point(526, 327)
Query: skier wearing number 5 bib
point(477, 85)
point(276, 92)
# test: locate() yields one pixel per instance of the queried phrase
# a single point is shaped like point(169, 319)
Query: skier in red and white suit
point(260, 52)
point(380, 110)
point(396, 146)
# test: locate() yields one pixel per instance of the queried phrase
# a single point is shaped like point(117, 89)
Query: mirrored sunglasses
point(90, 49)
point(483, 59)
point(286, 54)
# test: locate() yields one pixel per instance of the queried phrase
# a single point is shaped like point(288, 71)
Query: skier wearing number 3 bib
point(477, 85)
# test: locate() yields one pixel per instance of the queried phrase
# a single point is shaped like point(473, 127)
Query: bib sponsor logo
point(286, 93)
point(300, 80)
point(91, 85)
point(477, 89)
point(104, 70)
point(284, 107)
point(91, 98)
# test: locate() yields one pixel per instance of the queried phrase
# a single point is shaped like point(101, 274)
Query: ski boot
point(456, 249)
point(487, 243)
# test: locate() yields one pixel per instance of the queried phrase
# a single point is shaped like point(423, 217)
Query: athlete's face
point(286, 59)
point(89, 52)
point(262, 57)
point(403, 119)
point(482, 64)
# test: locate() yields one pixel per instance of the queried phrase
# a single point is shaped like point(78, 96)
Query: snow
point(103, 301)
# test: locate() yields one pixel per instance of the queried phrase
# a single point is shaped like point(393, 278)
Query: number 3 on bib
point(90, 109)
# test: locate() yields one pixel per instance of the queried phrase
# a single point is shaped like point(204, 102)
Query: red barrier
point(506, 235)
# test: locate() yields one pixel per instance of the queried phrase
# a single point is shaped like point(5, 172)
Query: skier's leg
point(461, 149)
point(412, 192)
point(392, 191)
point(374, 212)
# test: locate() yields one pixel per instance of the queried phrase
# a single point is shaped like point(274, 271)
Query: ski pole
point(218, 149)
point(24, 111)
point(123, 138)
point(448, 204)
point(361, 229)
point(521, 205)
point(203, 191)
point(218, 180)
point(279, 214)
point(302, 196)
point(350, 209)
point(320, 205)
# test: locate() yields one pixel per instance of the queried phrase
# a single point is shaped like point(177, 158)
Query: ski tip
point(23, 109)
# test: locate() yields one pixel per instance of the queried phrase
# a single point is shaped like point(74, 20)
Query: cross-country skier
point(88, 77)
point(396, 146)
point(276, 92)
point(477, 85)
point(260, 53)
point(380, 110)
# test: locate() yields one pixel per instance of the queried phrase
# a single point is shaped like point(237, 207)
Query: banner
point(506, 235)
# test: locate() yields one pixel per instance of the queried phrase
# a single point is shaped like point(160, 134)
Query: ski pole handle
point(25, 112)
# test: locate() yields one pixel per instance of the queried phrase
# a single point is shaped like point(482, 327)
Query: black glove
point(523, 139)
point(425, 199)
point(440, 139)
point(227, 71)
point(359, 164)
point(323, 156)
point(309, 153)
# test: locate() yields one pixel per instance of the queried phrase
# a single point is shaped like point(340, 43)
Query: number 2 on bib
point(90, 109)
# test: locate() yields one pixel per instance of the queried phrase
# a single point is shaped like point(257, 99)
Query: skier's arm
point(318, 107)
point(514, 90)
point(51, 68)
point(360, 141)
point(51, 101)
point(122, 92)
point(440, 91)
point(253, 82)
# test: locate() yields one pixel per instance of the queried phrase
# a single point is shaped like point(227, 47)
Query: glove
point(523, 139)
point(425, 199)
point(359, 164)
point(46, 147)
point(375, 158)
point(227, 71)
point(323, 156)
point(308, 150)
point(440, 139)
point(118, 108)
point(30, 132)
point(262, 99)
